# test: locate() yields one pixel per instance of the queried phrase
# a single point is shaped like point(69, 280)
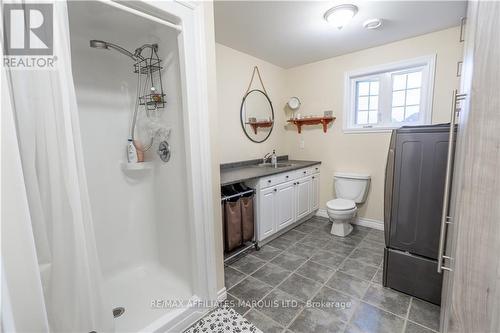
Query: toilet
point(351, 189)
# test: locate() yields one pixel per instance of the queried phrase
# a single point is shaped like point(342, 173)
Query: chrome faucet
point(266, 158)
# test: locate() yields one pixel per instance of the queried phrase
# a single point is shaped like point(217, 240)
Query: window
point(389, 96)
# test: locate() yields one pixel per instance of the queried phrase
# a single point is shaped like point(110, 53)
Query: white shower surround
point(201, 283)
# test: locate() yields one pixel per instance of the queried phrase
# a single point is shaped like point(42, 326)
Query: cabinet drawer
point(267, 181)
point(315, 169)
point(284, 177)
point(302, 173)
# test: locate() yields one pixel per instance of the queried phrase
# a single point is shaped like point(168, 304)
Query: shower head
point(98, 44)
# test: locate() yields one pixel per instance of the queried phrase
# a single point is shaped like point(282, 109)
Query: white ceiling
point(292, 33)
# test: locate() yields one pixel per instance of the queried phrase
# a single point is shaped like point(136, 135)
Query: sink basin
point(278, 165)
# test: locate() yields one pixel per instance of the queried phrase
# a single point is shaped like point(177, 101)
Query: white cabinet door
point(267, 212)
point(285, 205)
point(303, 201)
point(315, 192)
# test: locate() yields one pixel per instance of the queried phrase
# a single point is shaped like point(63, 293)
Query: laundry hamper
point(247, 218)
point(233, 232)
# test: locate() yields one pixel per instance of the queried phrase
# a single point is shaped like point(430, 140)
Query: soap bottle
point(274, 159)
point(131, 152)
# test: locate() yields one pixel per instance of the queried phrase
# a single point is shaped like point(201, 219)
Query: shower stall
point(152, 219)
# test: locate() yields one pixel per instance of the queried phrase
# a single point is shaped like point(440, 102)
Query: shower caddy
point(150, 95)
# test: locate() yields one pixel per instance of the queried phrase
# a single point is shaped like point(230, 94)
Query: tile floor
point(308, 280)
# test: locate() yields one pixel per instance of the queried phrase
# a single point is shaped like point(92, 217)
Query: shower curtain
point(44, 106)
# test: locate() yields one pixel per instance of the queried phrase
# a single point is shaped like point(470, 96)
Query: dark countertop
point(237, 174)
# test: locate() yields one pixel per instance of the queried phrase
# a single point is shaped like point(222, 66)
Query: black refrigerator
point(414, 188)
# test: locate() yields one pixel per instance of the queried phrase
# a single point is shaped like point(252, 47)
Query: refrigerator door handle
point(445, 218)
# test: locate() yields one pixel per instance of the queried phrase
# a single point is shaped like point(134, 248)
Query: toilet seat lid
point(341, 204)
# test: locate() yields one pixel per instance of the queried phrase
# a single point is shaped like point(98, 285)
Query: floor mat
point(222, 320)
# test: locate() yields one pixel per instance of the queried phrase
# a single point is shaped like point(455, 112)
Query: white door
point(285, 205)
point(267, 209)
point(315, 192)
point(303, 190)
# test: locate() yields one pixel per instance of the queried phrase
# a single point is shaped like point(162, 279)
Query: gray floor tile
point(359, 231)
point(415, 328)
point(293, 235)
point(300, 287)
point(366, 256)
point(348, 284)
point(305, 228)
point(424, 313)
point(337, 304)
point(302, 250)
point(368, 318)
point(281, 243)
point(267, 252)
point(312, 320)
point(250, 289)
point(377, 278)
point(317, 222)
point(280, 306)
point(371, 245)
point(358, 269)
point(263, 323)
point(322, 232)
point(248, 264)
point(317, 241)
point(316, 272)
point(352, 241)
point(363, 229)
point(288, 261)
point(271, 274)
point(339, 248)
point(388, 299)
point(236, 304)
point(376, 235)
point(232, 276)
point(327, 258)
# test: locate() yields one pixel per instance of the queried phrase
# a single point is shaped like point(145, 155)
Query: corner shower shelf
point(312, 121)
point(136, 166)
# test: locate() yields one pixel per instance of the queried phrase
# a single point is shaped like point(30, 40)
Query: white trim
point(370, 223)
point(428, 62)
point(322, 213)
point(193, 70)
point(142, 14)
point(361, 221)
point(222, 295)
point(189, 316)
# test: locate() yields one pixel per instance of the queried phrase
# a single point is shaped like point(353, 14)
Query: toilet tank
point(351, 186)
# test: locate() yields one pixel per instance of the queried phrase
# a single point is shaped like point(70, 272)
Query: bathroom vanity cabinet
point(284, 199)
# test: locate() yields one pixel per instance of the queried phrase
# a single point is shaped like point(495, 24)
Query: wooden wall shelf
point(256, 124)
point(312, 121)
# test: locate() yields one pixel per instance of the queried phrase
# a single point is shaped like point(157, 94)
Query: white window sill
point(368, 130)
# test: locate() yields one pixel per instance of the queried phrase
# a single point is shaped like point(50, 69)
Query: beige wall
point(234, 71)
point(320, 86)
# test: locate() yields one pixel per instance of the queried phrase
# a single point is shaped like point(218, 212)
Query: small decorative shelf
point(312, 121)
point(256, 124)
point(136, 166)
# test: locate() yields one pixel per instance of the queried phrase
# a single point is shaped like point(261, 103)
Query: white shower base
point(136, 288)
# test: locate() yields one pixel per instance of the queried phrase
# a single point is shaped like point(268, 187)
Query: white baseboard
point(322, 212)
point(222, 295)
point(362, 221)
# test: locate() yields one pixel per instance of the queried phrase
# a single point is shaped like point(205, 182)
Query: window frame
point(383, 73)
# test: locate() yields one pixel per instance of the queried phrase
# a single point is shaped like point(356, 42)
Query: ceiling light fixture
point(340, 15)
point(372, 24)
